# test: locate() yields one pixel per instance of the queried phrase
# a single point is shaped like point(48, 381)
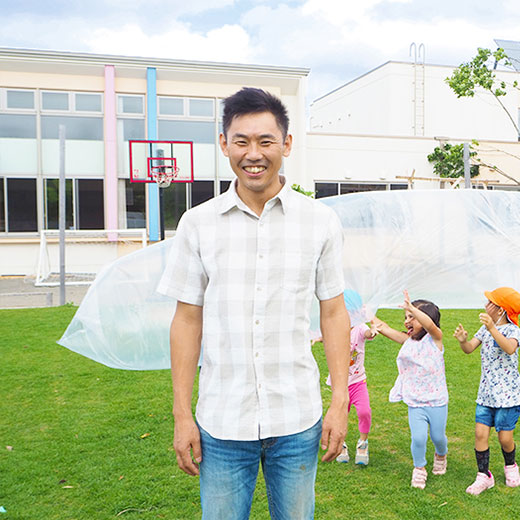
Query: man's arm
point(335, 327)
point(185, 340)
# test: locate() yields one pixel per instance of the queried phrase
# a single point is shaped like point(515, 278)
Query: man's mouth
point(254, 170)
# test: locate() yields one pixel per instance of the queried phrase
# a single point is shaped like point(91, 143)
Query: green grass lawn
point(81, 441)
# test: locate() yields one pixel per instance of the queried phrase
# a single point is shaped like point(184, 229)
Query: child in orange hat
point(498, 399)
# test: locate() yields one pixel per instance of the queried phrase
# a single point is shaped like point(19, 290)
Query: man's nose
point(253, 152)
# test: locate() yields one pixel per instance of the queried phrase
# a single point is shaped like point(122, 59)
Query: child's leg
point(418, 421)
point(359, 397)
point(438, 416)
point(507, 441)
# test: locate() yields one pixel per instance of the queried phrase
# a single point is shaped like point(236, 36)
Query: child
point(421, 383)
point(357, 384)
point(498, 399)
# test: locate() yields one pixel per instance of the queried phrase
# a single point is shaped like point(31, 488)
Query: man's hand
point(186, 441)
point(333, 433)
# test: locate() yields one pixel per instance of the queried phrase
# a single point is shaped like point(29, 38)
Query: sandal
point(439, 464)
point(419, 477)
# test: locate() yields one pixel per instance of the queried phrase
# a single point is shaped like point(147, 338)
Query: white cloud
point(227, 43)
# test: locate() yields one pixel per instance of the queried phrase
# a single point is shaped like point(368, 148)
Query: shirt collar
point(230, 199)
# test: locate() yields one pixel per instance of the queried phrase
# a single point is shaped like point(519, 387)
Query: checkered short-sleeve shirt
point(255, 278)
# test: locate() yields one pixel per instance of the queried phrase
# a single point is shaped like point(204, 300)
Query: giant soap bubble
point(447, 246)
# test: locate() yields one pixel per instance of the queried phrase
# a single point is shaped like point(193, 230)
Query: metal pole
point(467, 176)
point(61, 134)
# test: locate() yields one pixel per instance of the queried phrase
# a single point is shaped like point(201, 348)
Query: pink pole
point(111, 220)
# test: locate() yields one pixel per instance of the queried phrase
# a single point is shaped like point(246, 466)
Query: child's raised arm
point(461, 335)
point(427, 323)
point(508, 345)
point(387, 331)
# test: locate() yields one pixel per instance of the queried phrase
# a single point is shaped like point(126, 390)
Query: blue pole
point(151, 126)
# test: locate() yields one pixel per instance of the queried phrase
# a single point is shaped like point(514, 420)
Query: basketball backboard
point(147, 158)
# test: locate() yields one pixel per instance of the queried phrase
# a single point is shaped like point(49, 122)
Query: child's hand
point(460, 334)
point(486, 320)
point(407, 305)
point(372, 332)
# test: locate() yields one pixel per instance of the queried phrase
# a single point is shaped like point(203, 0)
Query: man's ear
point(223, 144)
point(287, 145)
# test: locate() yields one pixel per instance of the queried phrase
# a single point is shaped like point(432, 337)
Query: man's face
point(256, 147)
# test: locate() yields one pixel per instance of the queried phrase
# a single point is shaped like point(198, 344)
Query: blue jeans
point(503, 419)
point(229, 469)
point(419, 419)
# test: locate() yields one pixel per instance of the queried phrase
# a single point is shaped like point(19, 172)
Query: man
point(243, 269)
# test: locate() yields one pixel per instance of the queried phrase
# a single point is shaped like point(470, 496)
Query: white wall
point(364, 158)
point(382, 103)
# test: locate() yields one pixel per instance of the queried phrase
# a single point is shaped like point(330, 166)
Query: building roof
point(512, 49)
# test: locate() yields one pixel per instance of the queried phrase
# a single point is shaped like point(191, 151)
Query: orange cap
point(508, 299)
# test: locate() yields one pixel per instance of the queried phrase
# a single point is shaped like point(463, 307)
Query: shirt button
point(256, 355)
point(258, 288)
point(260, 256)
point(257, 322)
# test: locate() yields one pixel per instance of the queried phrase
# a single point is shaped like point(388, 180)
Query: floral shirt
point(356, 372)
point(499, 379)
point(421, 380)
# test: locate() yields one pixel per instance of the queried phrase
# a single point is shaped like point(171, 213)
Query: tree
point(449, 160)
point(476, 73)
point(299, 189)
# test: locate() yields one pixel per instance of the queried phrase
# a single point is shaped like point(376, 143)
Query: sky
point(338, 40)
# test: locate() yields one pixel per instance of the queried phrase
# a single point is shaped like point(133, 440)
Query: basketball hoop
point(164, 175)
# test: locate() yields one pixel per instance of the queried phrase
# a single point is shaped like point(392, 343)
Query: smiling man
point(244, 269)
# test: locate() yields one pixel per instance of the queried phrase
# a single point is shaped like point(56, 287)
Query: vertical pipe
point(151, 127)
point(467, 175)
point(111, 205)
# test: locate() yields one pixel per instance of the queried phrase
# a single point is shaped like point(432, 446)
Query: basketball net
point(164, 175)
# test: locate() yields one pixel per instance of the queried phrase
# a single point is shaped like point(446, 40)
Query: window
point(88, 102)
point(201, 191)
point(135, 205)
point(174, 204)
point(325, 189)
point(52, 205)
point(169, 106)
point(130, 104)
point(20, 99)
point(21, 205)
point(201, 108)
point(224, 186)
point(358, 187)
point(18, 125)
point(328, 189)
point(2, 205)
point(131, 129)
point(90, 213)
point(55, 100)
point(197, 131)
point(85, 128)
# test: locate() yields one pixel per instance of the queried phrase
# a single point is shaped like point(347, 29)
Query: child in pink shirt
point(357, 384)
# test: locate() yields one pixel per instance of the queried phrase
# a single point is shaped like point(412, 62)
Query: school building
point(373, 133)
point(103, 102)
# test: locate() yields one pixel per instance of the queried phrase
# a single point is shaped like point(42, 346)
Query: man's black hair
point(430, 309)
point(250, 100)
